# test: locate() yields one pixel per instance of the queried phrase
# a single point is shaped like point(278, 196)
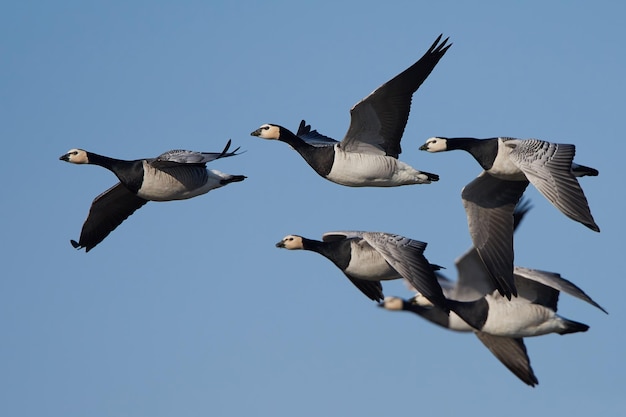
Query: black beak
point(424, 147)
point(65, 157)
point(256, 132)
point(280, 244)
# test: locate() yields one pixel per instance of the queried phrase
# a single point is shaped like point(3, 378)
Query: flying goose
point(498, 323)
point(173, 175)
point(367, 258)
point(509, 165)
point(511, 352)
point(502, 324)
point(368, 154)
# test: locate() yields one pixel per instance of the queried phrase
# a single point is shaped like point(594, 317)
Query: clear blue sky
point(188, 309)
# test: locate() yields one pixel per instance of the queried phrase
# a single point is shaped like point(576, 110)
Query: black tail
point(233, 178)
point(573, 327)
point(582, 171)
point(431, 177)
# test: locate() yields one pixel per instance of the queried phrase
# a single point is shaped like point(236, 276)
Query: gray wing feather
point(537, 293)
point(372, 289)
point(548, 166)
point(407, 257)
point(107, 211)
point(511, 353)
point(489, 204)
point(340, 235)
point(474, 280)
point(180, 156)
point(378, 121)
point(555, 281)
point(313, 137)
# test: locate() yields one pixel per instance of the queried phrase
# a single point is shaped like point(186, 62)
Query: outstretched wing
point(489, 204)
point(377, 122)
point(557, 282)
point(107, 211)
point(512, 353)
point(474, 279)
point(548, 166)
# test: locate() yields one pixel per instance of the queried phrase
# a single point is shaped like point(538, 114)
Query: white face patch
point(292, 242)
point(435, 145)
point(77, 156)
point(268, 131)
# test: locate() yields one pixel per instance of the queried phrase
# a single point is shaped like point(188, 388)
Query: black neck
point(433, 314)
point(319, 158)
point(296, 142)
point(105, 161)
point(336, 251)
point(483, 150)
point(130, 173)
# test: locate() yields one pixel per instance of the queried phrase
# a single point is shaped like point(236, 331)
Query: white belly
point(519, 318)
point(369, 170)
point(167, 185)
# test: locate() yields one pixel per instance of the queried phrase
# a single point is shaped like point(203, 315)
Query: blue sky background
point(188, 309)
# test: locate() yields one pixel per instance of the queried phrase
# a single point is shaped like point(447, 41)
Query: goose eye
point(266, 128)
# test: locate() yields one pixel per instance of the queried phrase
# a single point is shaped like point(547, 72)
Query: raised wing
point(377, 122)
point(313, 137)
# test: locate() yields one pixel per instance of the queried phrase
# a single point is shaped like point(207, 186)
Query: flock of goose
point(499, 302)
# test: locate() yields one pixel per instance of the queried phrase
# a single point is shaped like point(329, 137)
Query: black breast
point(130, 174)
point(484, 151)
point(339, 252)
point(336, 251)
point(473, 313)
point(319, 158)
point(434, 314)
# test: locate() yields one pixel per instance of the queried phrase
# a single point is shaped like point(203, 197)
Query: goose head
point(267, 131)
point(435, 145)
point(75, 156)
point(291, 242)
